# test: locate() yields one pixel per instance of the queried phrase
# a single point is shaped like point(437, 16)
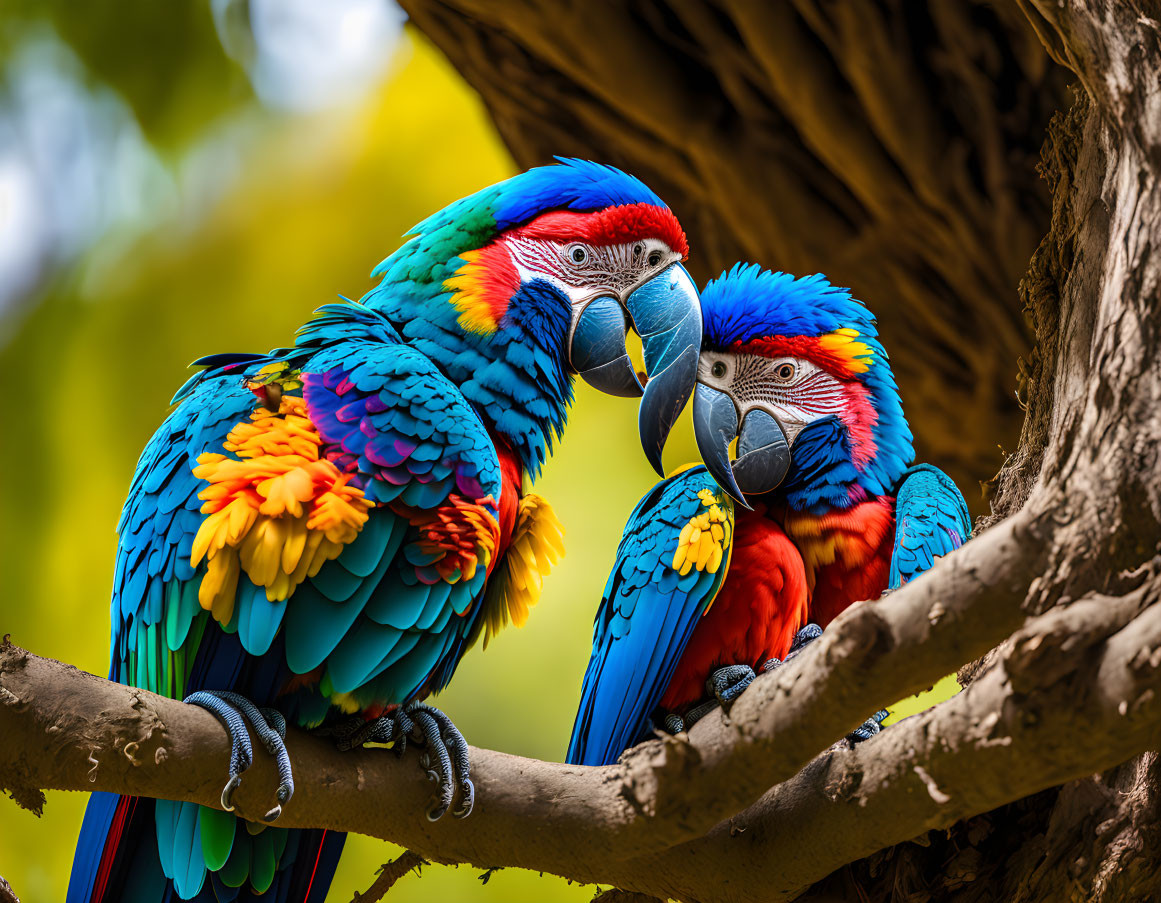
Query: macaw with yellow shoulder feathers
point(731, 567)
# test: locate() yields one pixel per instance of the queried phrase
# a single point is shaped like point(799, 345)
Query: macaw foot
point(444, 751)
point(724, 685)
point(802, 639)
point(727, 683)
point(234, 711)
point(868, 728)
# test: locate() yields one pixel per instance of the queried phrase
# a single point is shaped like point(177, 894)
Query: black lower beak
point(763, 452)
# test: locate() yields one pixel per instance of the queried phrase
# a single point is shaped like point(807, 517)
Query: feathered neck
point(515, 375)
point(829, 471)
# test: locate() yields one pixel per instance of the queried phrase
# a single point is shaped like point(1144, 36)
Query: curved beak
point(597, 350)
point(763, 452)
point(666, 313)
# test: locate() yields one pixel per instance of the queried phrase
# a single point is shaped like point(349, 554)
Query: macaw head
point(793, 368)
point(516, 288)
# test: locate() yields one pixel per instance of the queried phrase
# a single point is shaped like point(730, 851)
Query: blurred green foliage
point(163, 59)
point(89, 372)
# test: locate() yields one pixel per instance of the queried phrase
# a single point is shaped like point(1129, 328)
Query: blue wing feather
point(647, 615)
point(931, 520)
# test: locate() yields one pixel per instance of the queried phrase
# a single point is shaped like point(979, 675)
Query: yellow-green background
point(86, 375)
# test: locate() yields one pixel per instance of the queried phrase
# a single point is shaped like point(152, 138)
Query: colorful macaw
point(317, 535)
point(819, 509)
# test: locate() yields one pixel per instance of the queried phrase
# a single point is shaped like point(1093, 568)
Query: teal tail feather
point(144, 851)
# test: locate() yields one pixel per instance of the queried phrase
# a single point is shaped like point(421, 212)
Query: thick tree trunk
point(1092, 390)
point(890, 144)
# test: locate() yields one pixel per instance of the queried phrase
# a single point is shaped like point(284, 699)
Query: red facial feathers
point(482, 287)
point(809, 347)
point(613, 225)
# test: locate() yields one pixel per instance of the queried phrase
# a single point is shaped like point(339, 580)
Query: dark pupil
point(637, 249)
point(578, 255)
point(654, 258)
point(719, 369)
point(786, 371)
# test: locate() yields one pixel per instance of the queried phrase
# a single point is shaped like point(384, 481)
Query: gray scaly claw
point(727, 683)
point(444, 756)
point(233, 711)
point(802, 639)
point(868, 728)
point(228, 792)
point(807, 634)
point(467, 799)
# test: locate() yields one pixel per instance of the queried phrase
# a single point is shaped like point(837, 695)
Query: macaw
point(316, 535)
point(729, 567)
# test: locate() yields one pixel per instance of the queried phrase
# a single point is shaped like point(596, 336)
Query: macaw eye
point(654, 258)
point(578, 253)
point(785, 372)
point(637, 249)
point(718, 370)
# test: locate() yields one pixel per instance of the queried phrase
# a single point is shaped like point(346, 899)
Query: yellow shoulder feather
point(537, 544)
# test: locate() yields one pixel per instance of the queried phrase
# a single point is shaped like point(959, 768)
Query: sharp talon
point(443, 755)
point(273, 814)
point(468, 801)
point(234, 711)
point(728, 682)
point(807, 634)
point(228, 792)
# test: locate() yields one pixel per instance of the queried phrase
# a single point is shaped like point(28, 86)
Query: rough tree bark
point(869, 139)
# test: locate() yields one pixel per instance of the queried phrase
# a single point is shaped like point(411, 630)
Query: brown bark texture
point(890, 144)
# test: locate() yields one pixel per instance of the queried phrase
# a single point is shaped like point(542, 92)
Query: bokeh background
point(191, 177)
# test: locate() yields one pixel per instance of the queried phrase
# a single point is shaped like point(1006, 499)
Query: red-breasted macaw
point(322, 531)
point(819, 509)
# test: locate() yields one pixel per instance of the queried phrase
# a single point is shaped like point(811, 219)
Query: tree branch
point(659, 795)
point(1005, 737)
point(989, 745)
point(389, 873)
